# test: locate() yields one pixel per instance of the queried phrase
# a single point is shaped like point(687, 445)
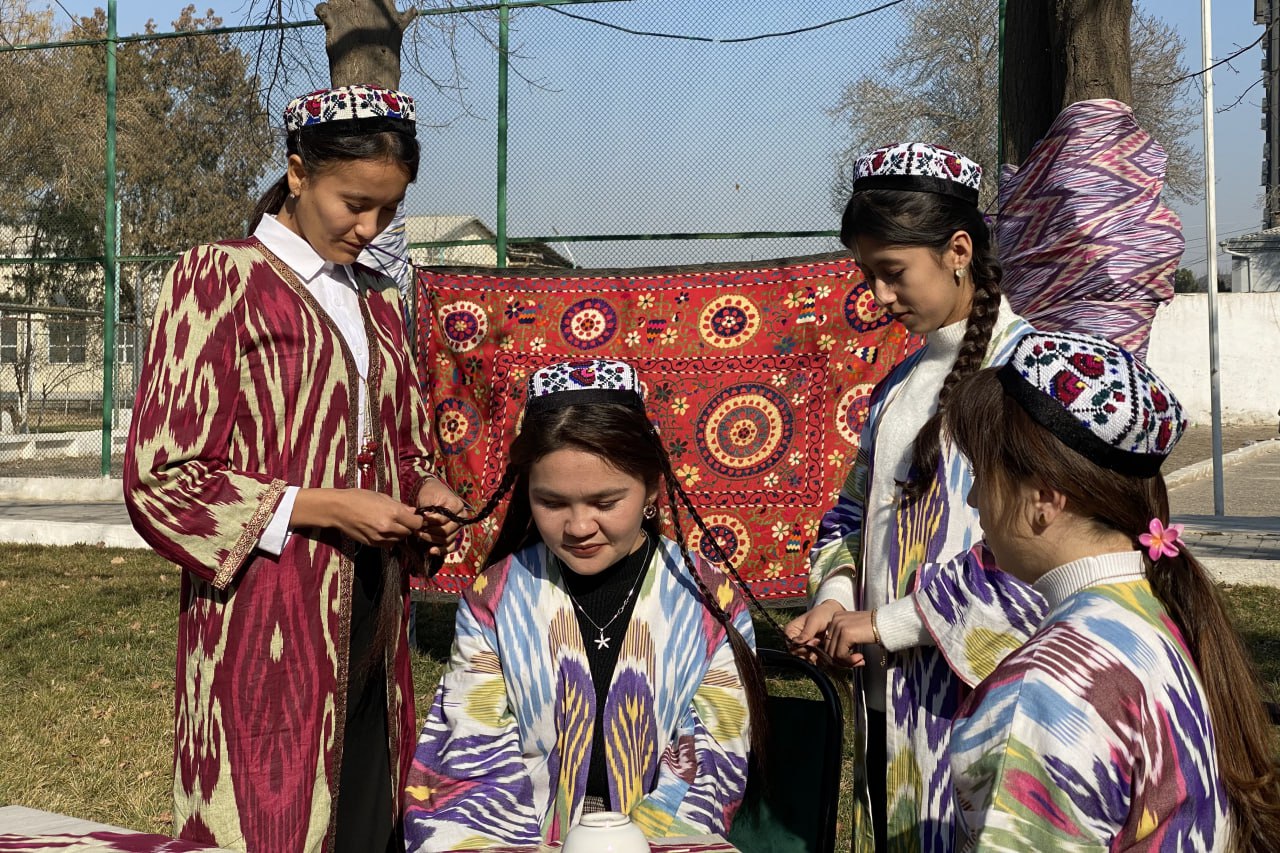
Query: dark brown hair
point(623, 436)
point(321, 148)
point(1020, 451)
point(903, 218)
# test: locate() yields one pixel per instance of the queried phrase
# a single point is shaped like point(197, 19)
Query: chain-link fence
point(641, 132)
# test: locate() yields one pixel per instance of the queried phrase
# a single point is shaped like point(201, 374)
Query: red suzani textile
point(757, 376)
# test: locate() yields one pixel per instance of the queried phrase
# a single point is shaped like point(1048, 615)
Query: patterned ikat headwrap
point(918, 167)
point(1097, 399)
point(588, 380)
point(361, 104)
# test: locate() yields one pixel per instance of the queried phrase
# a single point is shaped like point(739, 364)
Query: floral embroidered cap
point(918, 167)
point(586, 380)
point(1097, 399)
point(371, 107)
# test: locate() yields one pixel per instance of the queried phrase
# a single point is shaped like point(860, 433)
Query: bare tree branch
point(939, 84)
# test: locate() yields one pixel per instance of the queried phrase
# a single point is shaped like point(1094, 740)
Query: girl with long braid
point(1132, 719)
point(597, 664)
point(896, 586)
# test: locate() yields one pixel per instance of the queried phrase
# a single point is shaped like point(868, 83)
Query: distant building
point(1255, 261)
point(443, 229)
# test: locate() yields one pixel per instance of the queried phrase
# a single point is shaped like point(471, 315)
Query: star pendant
point(602, 642)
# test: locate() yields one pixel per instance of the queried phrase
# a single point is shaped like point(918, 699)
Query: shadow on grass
point(433, 627)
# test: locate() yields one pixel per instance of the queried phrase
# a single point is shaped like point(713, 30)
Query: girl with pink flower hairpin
point(1131, 720)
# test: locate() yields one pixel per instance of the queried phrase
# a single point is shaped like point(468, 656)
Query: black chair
point(794, 809)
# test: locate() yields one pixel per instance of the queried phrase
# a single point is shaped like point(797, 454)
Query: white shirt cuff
point(900, 625)
point(838, 587)
point(276, 535)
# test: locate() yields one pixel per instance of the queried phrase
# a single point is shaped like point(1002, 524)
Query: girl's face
point(341, 209)
point(915, 284)
point(587, 512)
point(1007, 516)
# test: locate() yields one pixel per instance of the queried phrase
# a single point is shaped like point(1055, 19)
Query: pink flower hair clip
point(1162, 541)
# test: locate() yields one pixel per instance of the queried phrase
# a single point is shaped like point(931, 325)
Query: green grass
point(86, 677)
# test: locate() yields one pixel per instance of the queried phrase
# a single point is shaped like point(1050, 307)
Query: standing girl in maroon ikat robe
point(278, 453)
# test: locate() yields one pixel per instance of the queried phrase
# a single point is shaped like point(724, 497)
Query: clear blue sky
point(762, 160)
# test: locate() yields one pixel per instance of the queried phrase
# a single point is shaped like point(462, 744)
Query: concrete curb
point(62, 489)
point(29, 532)
point(1244, 572)
point(1201, 470)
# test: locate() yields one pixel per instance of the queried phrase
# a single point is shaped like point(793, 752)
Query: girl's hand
point(438, 532)
point(807, 631)
point(847, 633)
point(371, 518)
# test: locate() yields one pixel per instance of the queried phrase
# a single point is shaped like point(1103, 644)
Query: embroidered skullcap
point(1097, 399)
point(588, 380)
point(360, 107)
point(918, 167)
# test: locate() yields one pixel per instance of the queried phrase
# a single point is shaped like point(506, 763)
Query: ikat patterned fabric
point(347, 103)
point(1106, 393)
point(757, 377)
point(1086, 243)
point(248, 388)
point(975, 614)
point(504, 751)
point(1095, 735)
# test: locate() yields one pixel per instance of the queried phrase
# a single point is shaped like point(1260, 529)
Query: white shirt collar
point(296, 252)
point(1066, 580)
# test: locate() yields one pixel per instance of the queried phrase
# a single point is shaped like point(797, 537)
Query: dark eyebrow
point(364, 198)
point(605, 495)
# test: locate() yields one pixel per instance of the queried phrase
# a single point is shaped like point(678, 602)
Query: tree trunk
point(1057, 52)
point(362, 39)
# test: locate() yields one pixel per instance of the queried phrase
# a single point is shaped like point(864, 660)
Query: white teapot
point(605, 832)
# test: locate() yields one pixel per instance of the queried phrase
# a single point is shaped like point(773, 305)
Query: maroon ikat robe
point(248, 388)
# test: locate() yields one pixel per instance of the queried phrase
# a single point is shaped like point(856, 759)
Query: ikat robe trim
point(1095, 735)
point(975, 613)
point(249, 387)
point(504, 753)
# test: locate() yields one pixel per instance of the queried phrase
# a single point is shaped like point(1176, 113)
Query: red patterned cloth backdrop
point(756, 375)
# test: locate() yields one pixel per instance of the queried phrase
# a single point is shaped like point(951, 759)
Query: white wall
point(1258, 272)
point(1248, 352)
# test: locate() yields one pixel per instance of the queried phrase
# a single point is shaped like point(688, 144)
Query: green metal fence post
point(504, 36)
point(109, 249)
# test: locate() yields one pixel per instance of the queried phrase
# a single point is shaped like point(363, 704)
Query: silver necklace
point(602, 641)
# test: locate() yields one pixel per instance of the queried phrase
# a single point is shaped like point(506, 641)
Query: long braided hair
point(904, 218)
point(623, 436)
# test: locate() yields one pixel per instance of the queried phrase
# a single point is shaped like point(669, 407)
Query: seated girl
point(596, 663)
point(1131, 719)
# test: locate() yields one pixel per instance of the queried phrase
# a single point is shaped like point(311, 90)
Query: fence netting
point(667, 133)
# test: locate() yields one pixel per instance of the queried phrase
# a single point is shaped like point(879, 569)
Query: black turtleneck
point(600, 596)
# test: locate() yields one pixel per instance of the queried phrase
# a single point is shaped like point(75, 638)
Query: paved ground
point(1251, 485)
point(1197, 443)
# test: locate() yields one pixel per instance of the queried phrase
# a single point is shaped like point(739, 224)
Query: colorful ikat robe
point(248, 388)
point(504, 753)
point(975, 613)
point(1093, 736)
